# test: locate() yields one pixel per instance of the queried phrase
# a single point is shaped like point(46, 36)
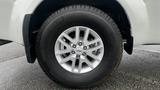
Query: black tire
point(79, 15)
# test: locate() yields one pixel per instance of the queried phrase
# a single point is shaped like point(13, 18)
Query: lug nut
point(74, 46)
point(84, 54)
point(85, 47)
point(80, 43)
point(73, 52)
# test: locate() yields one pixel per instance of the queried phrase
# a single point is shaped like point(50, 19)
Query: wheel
point(79, 46)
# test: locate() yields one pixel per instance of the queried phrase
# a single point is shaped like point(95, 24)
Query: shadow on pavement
point(140, 71)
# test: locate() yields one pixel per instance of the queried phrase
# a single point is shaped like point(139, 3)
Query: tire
point(79, 15)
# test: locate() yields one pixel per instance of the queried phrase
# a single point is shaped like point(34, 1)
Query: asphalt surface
point(140, 71)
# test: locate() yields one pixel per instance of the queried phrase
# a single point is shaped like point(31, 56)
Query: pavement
point(140, 71)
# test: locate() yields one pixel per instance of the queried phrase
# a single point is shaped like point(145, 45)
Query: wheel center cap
point(79, 50)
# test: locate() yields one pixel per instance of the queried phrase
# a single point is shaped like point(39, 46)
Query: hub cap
point(79, 49)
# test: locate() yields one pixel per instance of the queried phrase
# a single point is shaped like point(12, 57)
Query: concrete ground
point(140, 71)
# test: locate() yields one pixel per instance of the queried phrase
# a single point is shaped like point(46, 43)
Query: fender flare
point(18, 17)
point(138, 17)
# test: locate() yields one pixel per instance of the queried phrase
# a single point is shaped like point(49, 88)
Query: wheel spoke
point(80, 66)
point(77, 33)
point(68, 37)
point(94, 41)
point(73, 64)
point(64, 43)
point(59, 52)
point(93, 56)
point(95, 48)
point(88, 63)
point(86, 35)
point(64, 60)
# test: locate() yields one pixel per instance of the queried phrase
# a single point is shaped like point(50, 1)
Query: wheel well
point(111, 7)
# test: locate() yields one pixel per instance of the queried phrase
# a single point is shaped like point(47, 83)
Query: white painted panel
point(153, 7)
point(138, 16)
point(5, 14)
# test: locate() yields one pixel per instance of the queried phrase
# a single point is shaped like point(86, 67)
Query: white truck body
point(143, 16)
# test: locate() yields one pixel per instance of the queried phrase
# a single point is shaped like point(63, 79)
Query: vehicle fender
point(136, 11)
point(138, 16)
point(20, 9)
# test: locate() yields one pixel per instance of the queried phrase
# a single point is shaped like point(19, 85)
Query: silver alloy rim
point(79, 49)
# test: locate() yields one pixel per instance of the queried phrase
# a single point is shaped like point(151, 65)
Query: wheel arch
point(33, 21)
